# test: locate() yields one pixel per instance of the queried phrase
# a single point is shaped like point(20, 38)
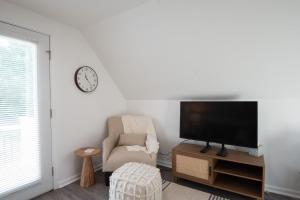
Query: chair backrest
point(115, 127)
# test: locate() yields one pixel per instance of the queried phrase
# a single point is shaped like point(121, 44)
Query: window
point(19, 131)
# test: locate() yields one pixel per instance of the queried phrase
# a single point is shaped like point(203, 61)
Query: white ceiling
point(78, 13)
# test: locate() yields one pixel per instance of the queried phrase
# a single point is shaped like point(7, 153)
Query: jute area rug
point(173, 191)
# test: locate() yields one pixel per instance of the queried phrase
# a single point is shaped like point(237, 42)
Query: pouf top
point(138, 173)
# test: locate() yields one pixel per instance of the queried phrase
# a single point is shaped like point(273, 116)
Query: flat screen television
point(226, 122)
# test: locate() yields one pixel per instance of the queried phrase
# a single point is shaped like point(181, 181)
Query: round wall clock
point(86, 79)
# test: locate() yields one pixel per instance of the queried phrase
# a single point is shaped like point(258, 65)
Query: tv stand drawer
point(192, 167)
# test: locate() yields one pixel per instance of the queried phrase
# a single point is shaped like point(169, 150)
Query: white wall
point(278, 129)
point(169, 49)
point(78, 118)
point(166, 50)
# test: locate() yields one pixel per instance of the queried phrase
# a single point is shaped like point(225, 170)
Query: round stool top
point(136, 181)
point(87, 151)
point(137, 173)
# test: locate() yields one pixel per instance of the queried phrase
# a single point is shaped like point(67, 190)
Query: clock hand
point(87, 79)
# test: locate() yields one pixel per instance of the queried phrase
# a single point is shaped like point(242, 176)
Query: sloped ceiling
point(173, 49)
point(78, 13)
point(202, 49)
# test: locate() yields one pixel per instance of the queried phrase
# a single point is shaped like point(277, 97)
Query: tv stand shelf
point(238, 172)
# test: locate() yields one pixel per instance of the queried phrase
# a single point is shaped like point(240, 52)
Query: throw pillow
point(132, 139)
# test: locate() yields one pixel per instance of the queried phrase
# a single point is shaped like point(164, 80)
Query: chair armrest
point(108, 145)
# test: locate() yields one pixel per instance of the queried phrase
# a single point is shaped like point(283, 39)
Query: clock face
point(86, 79)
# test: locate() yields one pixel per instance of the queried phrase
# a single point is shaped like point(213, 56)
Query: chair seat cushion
point(120, 155)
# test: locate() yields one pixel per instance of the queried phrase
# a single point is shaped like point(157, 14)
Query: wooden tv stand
point(238, 172)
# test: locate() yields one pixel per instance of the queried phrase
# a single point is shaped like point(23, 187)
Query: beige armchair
point(115, 156)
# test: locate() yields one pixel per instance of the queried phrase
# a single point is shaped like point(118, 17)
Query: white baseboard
point(283, 191)
point(164, 162)
point(72, 179)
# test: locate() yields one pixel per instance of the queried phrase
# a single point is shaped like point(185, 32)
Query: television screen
point(228, 122)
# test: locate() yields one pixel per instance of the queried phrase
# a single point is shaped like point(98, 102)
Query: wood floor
point(100, 192)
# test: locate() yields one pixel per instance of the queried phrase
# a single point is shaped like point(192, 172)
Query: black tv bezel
point(232, 144)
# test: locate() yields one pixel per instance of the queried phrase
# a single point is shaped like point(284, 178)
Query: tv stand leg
point(206, 149)
point(223, 152)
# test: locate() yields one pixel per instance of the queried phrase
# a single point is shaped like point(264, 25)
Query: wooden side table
point(87, 173)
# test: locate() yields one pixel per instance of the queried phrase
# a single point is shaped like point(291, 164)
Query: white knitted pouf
point(135, 181)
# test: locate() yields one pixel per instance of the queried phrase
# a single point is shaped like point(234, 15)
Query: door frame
point(46, 183)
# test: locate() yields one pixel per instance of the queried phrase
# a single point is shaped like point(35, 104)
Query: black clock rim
point(76, 83)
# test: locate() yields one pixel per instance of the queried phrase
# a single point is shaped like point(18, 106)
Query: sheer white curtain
point(19, 132)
